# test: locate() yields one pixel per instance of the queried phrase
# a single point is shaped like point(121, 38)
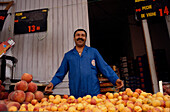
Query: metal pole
point(150, 55)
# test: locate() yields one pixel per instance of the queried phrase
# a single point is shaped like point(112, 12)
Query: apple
point(51, 97)
point(65, 96)
point(159, 98)
point(103, 97)
point(75, 101)
point(80, 106)
point(72, 97)
point(53, 108)
point(34, 101)
point(125, 97)
point(130, 93)
point(133, 99)
point(110, 96)
point(162, 103)
point(119, 97)
point(128, 89)
point(79, 100)
point(144, 94)
point(115, 95)
point(121, 93)
point(166, 109)
point(167, 104)
point(124, 93)
point(131, 105)
point(155, 109)
point(56, 101)
point(141, 97)
point(138, 104)
point(124, 102)
point(120, 107)
point(12, 108)
point(126, 109)
point(145, 107)
point(159, 94)
point(44, 99)
point(111, 109)
point(22, 109)
point(136, 94)
point(70, 100)
point(57, 97)
point(138, 91)
point(137, 109)
point(113, 101)
point(88, 100)
point(156, 103)
point(36, 108)
point(72, 109)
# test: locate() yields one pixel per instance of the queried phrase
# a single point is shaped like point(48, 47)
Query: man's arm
point(61, 72)
point(107, 71)
point(59, 76)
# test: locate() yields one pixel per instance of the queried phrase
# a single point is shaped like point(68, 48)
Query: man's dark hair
point(80, 30)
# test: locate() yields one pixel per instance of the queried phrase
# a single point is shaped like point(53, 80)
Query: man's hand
point(119, 84)
point(48, 88)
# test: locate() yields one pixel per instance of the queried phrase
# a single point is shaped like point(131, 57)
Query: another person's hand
point(48, 88)
point(119, 84)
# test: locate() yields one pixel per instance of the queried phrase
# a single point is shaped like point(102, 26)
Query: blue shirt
point(83, 71)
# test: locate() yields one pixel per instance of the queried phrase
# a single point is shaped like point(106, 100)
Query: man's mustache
point(80, 39)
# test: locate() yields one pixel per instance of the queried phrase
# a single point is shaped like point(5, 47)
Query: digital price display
point(3, 15)
point(151, 8)
point(30, 21)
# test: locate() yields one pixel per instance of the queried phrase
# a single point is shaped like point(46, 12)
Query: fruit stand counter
point(26, 97)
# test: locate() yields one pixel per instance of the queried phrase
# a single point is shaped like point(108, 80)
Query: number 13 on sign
point(33, 28)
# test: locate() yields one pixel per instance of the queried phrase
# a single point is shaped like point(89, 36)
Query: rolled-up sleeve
point(105, 69)
point(61, 72)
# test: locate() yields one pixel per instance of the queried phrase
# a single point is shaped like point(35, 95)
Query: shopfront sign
point(30, 21)
point(151, 8)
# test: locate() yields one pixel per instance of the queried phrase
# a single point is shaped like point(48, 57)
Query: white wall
point(41, 58)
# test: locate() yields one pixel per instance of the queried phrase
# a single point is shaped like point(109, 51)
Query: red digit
point(166, 10)
point(160, 10)
point(29, 28)
point(33, 28)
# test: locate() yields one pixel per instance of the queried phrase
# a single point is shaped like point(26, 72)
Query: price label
point(11, 42)
point(151, 8)
point(30, 21)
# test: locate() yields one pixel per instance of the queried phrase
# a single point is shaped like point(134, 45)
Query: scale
point(4, 47)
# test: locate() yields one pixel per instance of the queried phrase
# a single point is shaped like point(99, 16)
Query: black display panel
point(3, 15)
point(151, 8)
point(30, 21)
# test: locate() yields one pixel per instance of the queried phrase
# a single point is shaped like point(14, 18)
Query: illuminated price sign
point(3, 15)
point(151, 8)
point(30, 21)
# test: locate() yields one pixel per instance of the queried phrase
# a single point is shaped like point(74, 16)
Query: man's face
point(80, 38)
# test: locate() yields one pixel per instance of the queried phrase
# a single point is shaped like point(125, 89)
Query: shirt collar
point(84, 50)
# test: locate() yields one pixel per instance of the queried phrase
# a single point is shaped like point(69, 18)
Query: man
point(83, 64)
